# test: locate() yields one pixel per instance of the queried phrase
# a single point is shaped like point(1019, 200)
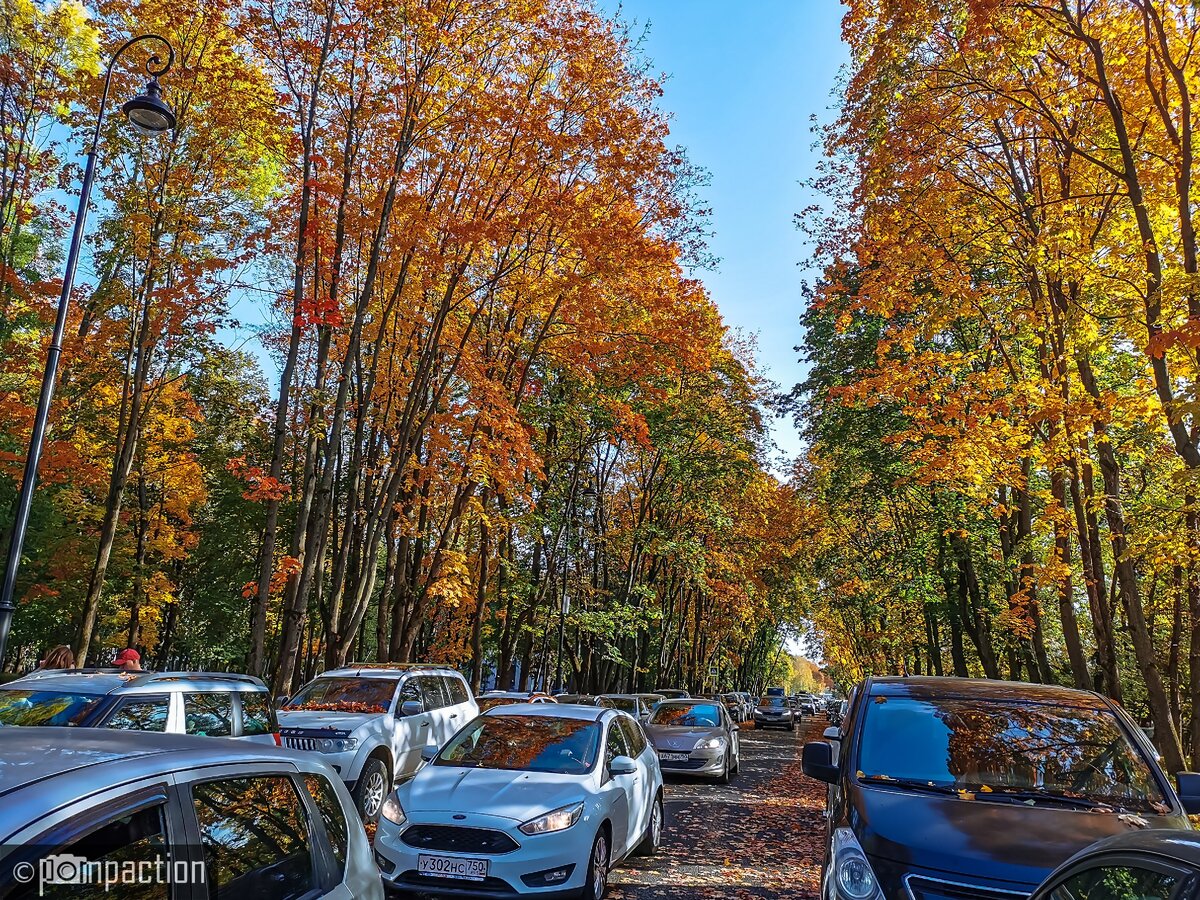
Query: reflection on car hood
point(666, 737)
point(322, 719)
point(1007, 842)
point(520, 796)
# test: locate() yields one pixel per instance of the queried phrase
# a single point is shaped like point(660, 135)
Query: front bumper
point(535, 854)
point(699, 762)
point(776, 721)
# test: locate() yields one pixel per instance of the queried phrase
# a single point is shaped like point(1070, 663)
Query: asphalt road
point(760, 837)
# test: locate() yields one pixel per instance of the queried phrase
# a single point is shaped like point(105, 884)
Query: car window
point(351, 694)
point(616, 743)
point(456, 688)
point(141, 714)
point(1117, 882)
point(634, 737)
point(432, 691)
point(332, 815)
point(22, 707)
point(132, 842)
point(255, 839)
point(257, 715)
point(208, 714)
point(1006, 746)
point(687, 715)
point(525, 743)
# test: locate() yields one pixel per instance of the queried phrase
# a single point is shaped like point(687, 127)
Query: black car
point(1156, 865)
point(773, 711)
point(947, 787)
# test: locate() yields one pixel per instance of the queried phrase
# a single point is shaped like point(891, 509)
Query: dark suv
point(957, 788)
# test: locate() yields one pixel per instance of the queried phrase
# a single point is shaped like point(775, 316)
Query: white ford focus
point(537, 800)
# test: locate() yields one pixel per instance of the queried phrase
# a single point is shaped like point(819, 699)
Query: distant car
point(735, 706)
point(211, 704)
point(774, 711)
point(984, 785)
point(243, 820)
point(371, 722)
point(530, 800)
point(493, 699)
point(627, 703)
point(1154, 864)
point(579, 699)
point(672, 693)
point(695, 737)
point(776, 692)
point(651, 699)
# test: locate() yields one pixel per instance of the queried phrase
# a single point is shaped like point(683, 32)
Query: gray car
point(210, 704)
point(132, 814)
point(695, 737)
point(634, 704)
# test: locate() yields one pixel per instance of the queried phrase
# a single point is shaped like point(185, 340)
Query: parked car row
point(946, 787)
point(512, 794)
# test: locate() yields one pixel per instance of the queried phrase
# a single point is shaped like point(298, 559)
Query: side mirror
point(430, 751)
point(622, 765)
point(816, 761)
point(1189, 791)
point(411, 708)
point(832, 734)
point(736, 727)
point(281, 702)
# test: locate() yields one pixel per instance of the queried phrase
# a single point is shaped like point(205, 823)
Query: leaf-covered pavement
point(760, 837)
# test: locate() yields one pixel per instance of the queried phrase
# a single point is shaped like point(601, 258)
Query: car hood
point(679, 739)
point(324, 719)
point(520, 796)
point(1010, 843)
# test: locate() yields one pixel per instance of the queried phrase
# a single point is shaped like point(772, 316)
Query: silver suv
point(372, 721)
point(212, 704)
point(131, 815)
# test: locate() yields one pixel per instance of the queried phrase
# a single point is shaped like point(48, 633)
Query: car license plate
point(453, 867)
point(673, 757)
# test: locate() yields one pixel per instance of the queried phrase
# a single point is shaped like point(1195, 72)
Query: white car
point(373, 722)
point(532, 800)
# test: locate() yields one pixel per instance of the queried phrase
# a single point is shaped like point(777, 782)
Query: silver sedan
point(695, 737)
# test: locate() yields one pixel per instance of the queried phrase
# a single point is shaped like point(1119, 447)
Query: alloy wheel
point(600, 867)
point(373, 798)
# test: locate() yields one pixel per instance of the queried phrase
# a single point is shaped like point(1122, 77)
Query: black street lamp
point(149, 115)
point(588, 493)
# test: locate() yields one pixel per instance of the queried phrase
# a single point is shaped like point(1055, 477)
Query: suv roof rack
point(379, 665)
point(154, 677)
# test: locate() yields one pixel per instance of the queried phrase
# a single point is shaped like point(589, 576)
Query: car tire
point(652, 839)
point(792, 726)
point(737, 761)
point(724, 777)
point(596, 884)
point(371, 789)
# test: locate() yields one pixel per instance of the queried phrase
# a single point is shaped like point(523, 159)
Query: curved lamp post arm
point(154, 67)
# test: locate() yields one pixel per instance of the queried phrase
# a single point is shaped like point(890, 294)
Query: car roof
point(552, 710)
point(108, 681)
point(388, 670)
point(929, 687)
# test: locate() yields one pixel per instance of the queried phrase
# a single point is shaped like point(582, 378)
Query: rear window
point(257, 715)
point(46, 707)
point(999, 747)
point(457, 689)
point(366, 695)
point(210, 715)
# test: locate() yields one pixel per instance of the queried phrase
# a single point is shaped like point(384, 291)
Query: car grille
point(414, 880)
point(301, 743)
point(454, 839)
point(932, 889)
point(685, 764)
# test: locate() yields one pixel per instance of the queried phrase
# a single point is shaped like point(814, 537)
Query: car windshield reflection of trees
point(682, 716)
point(368, 695)
point(1006, 747)
point(525, 743)
point(45, 707)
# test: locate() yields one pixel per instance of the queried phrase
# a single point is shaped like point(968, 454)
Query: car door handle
point(424, 724)
point(453, 715)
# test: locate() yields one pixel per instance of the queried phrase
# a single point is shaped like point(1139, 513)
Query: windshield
point(45, 707)
point(361, 695)
point(1006, 746)
point(773, 701)
point(686, 715)
point(525, 744)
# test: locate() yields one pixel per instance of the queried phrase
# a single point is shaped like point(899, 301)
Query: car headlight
point(852, 875)
point(709, 744)
point(336, 745)
point(556, 820)
point(392, 810)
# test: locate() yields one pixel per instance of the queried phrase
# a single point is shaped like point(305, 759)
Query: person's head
point(60, 657)
point(129, 660)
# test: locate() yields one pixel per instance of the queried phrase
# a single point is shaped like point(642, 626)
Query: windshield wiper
point(1048, 797)
point(907, 784)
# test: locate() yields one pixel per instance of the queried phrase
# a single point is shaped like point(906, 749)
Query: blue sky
point(744, 80)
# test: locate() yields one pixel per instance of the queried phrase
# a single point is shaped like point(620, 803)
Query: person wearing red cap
point(129, 660)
